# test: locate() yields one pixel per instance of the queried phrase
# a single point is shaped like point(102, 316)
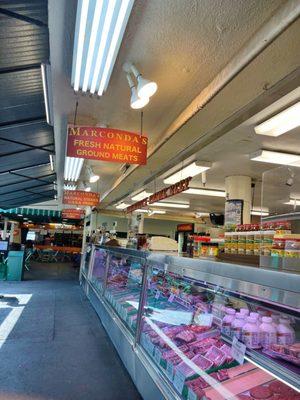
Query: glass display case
point(86, 259)
point(124, 285)
point(201, 330)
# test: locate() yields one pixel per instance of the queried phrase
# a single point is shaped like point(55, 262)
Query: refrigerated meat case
point(164, 316)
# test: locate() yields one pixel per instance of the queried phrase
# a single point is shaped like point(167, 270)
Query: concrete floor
point(52, 344)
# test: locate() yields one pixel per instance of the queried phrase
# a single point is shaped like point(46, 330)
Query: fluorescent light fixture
point(135, 101)
point(202, 214)
point(150, 212)
point(47, 90)
point(92, 176)
point(275, 157)
point(99, 30)
point(281, 123)
point(260, 212)
point(69, 186)
point(171, 205)
point(122, 206)
point(87, 189)
point(51, 162)
point(189, 171)
point(73, 168)
point(141, 196)
point(206, 192)
point(293, 202)
point(20, 215)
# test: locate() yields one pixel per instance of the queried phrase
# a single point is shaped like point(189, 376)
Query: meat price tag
point(192, 395)
point(171, 297)
point(238, 350)
point(205, 319)
point(157, 294)
point(157, 355)
point(170, 370)
point(178, 381)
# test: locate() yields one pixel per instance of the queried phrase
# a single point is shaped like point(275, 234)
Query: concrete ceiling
point(181, 44)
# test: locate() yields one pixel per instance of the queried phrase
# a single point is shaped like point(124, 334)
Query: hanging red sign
point(81, 198)
point(72, 213)
point(161, 195)
point(106, 144)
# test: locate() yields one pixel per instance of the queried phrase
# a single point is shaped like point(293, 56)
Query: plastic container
point(256, 316)
point(242, 243)
point(267, 242)
point(237, 326)
point(227, 321)
point(244, 311)
point(257, 243)
point(268, 333)
point(234, 242)
point(227, 248)
point(251, 336)
point(249, 243)
point(285, 333)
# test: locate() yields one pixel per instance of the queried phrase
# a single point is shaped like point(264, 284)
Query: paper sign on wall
point(106, 144)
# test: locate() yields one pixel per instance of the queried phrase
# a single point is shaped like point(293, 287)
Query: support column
point(5, 228)
point(238, 187)
point(11, 235)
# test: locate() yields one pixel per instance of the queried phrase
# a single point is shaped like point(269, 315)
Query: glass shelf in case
point(187, 331)
point(98, 268)
point(124, 286)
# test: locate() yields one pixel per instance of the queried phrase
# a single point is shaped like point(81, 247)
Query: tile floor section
point(52, 344)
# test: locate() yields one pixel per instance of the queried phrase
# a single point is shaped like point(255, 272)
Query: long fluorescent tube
point(83, 6)
point(140, 196)
point(283, 122)
point(51, 162)
point(259, 213)
point(122, 206)
point(150, 212)
point(205, 192)
point(275, 157)
point(73, 168)
point(69, 186)
point(99, 30)
point(47, 90)
point(189, 171)
point(293, 202)
point(171, 205)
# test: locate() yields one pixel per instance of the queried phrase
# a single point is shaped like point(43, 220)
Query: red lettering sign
point(72, 213)
point(185, 227)
point(106, 144)
point(161, 195)
point(81, 198)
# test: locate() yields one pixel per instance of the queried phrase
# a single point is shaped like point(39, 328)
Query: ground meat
point(279, 388)
point(261, 393)
point(243, 397)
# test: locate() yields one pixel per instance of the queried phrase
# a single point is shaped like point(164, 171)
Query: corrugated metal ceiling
point(26, 141)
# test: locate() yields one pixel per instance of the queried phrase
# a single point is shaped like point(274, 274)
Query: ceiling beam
point(33, 178)
point(30, 147)
point(40, 118)
point(24, 18)
point(19, 68)
point(19, 190)
point(9, 171)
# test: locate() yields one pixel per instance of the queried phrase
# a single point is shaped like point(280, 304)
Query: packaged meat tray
point(203, 363)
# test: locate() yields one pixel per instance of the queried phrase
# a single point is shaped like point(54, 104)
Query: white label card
point(157, 355)
point(238, 350)
point(170, 370)
point(205, 319)
point(171, 297)
point(192, 395)
point(157, 294)
point(178, 381)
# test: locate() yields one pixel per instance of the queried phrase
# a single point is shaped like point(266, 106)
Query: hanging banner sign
point(161, 195)
point(185, 228)
point(72, 213)
point(106, 144)
point(81, 198)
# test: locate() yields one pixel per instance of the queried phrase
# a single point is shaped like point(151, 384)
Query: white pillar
point(238, 187)
point(5, 228)
point(12, 228)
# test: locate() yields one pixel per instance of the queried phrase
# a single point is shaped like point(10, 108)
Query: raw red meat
point(185, 336)
point(279, 388)
point(216, 356)
point(261, 393)
point(243, 397)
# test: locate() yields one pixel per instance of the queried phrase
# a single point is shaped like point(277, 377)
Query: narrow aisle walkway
point(53, 346)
